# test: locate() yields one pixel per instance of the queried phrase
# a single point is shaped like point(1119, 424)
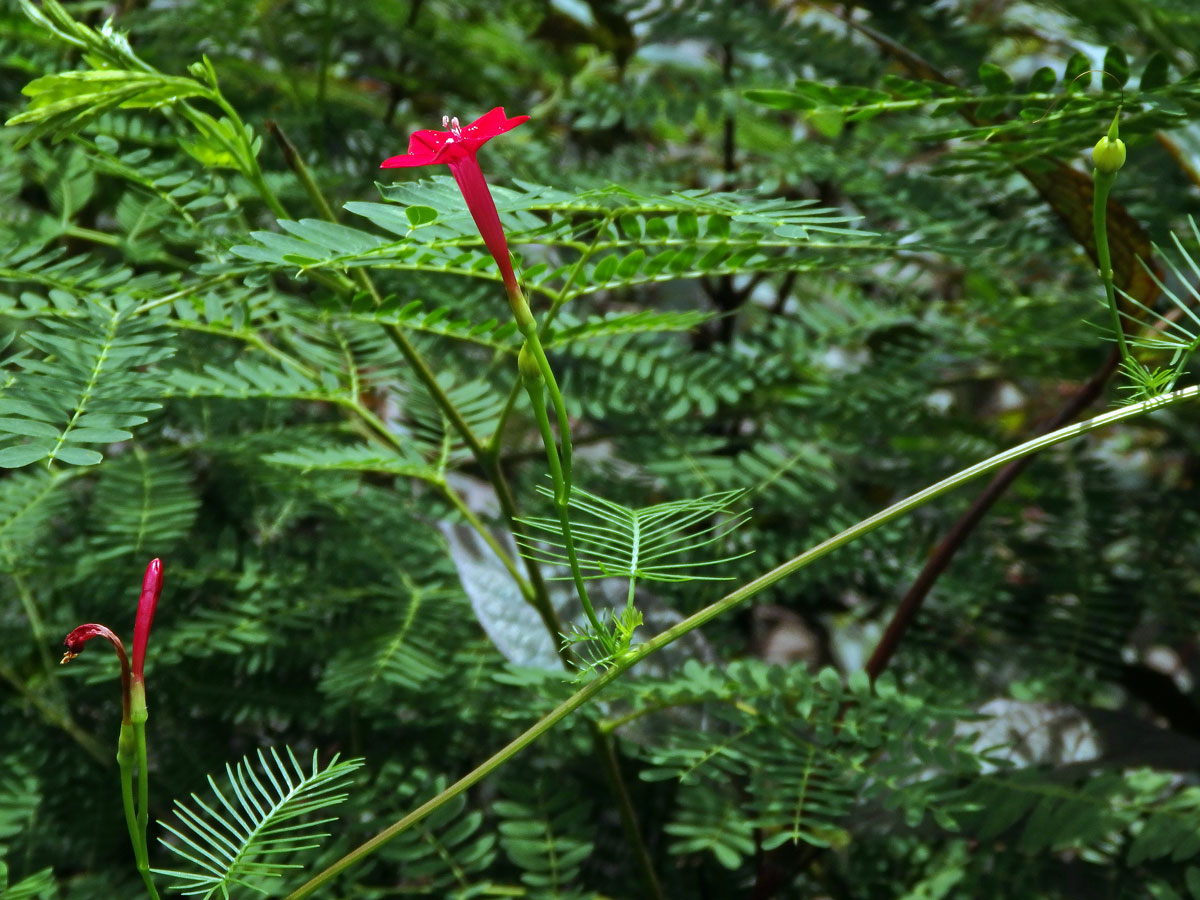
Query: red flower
point(84, 633)
point(457, 148)
point(151, 588)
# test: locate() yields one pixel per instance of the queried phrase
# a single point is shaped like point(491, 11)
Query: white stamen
point(455, 127)
point(445, 121)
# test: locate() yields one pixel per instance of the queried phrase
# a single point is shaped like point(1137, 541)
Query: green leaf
point(208, 150)
point(995, 79)
point(78, 456)
point(1116, 69)
point(776, 99)
point(1157, 72)
point(859, 683)
point(1076, 77)
point(717, 227)
point(72, 186)
point(1191, 877)
point(687, 225)
point(23, 455)
point(420, 215)
point(656, 229)
point(28, 427)
point(355, 458)
point(829, 679)
point(1042, 81)
point(39, 885)
point(84, 383)
point(62, 103)
point(631, 264)
point(827, 120)
point(605, 269)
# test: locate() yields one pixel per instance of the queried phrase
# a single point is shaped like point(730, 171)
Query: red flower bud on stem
point(133, 690)
point(147, 603)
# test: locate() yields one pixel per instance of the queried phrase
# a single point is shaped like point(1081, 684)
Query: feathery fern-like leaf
point(645, 543)
point(83, 386)
point(241, 838)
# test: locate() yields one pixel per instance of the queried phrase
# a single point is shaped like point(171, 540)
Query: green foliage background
point(784, 260)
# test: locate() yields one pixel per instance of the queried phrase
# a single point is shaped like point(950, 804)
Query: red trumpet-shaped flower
point(457, 148)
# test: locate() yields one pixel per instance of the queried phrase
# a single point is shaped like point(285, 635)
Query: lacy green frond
point(148, 501)
point(652, 543)
point(355, 458)
point(81, 382)
point(1175, 331)
point(545, 830)
point(604, 239)
point(451, 850)
point(29, 501)
point(253, 833)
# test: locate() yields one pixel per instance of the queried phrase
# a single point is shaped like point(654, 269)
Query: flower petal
point(428, 142)
point(492, 123)
point(407, 160)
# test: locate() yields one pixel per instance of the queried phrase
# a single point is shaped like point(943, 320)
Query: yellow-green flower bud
point(1108, 155)
point(527, 364)
point(1109, 152)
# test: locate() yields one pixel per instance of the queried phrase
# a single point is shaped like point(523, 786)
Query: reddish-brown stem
point(914, 598)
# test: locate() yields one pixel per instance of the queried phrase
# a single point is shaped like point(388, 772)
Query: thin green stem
point(143, 802)
point(558, 299)
point(533, 341)
point(143, 781)
point(37, 628)
point(561, 493)
point(536, 377)
point(726, 603)
point(91, 234)
point(131, 753)
point(125, 762)
point(251, 170)
point(1103, 184)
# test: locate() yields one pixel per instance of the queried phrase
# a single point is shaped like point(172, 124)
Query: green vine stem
point(537, 376)
point(125, 762)
point(1109, 156)
point(532, 367)
point(723, 605)
point(142, 849)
